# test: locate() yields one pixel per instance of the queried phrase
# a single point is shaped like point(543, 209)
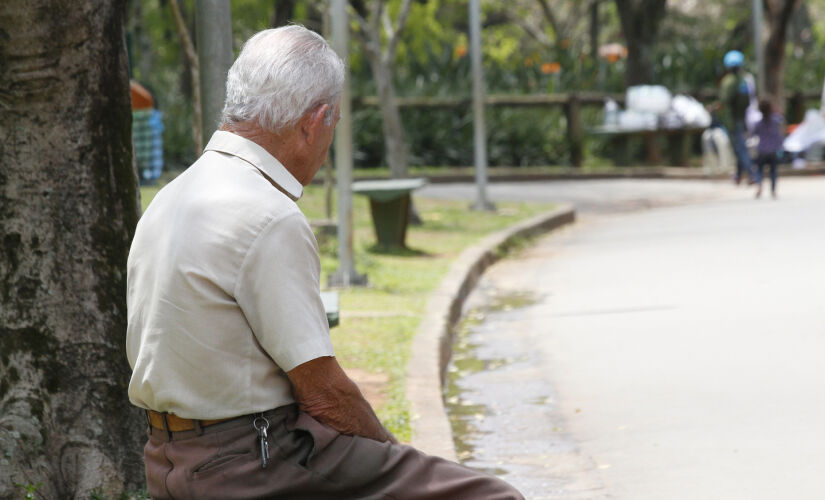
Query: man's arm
point(327, 394)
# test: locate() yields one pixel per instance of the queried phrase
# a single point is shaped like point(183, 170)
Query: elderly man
point(227, 335)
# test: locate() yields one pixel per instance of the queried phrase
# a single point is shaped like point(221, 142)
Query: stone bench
point(330, 300)
point(390, 208)
point(679, 143)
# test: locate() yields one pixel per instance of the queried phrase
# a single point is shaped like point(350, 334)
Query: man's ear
point(312, 122)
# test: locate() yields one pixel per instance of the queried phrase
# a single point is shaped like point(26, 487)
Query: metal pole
point(479, 135)
point(213, 26)
point(346, 274)
point(758, 46)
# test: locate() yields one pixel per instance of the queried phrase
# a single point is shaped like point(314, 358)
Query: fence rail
point(572, 103)
point(560, 99)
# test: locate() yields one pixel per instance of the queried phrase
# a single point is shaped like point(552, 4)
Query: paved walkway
point(593, 196)
point(666, 353)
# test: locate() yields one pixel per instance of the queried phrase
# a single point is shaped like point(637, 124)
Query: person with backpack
point(735, 95)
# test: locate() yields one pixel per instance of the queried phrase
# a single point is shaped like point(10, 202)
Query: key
point(261, 424)
point(264, 450)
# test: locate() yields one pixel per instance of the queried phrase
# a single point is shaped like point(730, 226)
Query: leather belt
point(173, 423)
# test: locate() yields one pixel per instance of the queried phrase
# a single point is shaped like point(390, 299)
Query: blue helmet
point(734, 59)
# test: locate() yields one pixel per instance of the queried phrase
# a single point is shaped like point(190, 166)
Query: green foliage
point(433, 60)
point(158, 63)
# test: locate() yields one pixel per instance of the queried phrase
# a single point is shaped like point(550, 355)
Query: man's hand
point(324, 391)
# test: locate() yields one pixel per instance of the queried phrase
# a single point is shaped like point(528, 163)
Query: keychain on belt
point(261, 424)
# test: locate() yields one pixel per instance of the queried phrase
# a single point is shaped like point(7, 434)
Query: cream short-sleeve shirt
point(223, 288)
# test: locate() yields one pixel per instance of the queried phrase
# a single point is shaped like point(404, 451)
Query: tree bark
point(68, 208)
point(640, 24)
point(394, 144)
point(779, 14)
point(381, 58)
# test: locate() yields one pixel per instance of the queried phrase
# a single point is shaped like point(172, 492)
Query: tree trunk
point(194, 75)
point(283, 12)
point(68, 208)
point(394, 146)
point(640, 24)
point(779, 15)
point(375, 27)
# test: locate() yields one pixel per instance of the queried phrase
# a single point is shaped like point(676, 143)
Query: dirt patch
point(371, 384)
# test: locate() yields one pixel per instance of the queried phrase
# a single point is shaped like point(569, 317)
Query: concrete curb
point(432, 345)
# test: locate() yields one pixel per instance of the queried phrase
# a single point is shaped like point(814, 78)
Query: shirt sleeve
point(278, 290)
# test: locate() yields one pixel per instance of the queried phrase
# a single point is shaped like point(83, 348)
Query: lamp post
point(213, 26)
point(346, 274)
point(479, 134)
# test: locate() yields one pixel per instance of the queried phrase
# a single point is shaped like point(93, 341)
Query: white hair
point(280, 75)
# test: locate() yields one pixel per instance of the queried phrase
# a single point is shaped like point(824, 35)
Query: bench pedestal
point(390, 208)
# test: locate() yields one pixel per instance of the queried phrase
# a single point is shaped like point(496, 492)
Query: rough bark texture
point(68, 208)
point(779, 14)
point(640, 23)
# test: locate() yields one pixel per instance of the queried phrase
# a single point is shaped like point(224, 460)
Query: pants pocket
point(220, 462)
point(322, 434)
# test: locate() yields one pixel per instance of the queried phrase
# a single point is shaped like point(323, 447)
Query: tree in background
point(778, 13)
point(68, 209)
point(283, 12)
point(194, 74)
point(640, 23)
point(561, 16)
point(379, 36)
point(432, 60)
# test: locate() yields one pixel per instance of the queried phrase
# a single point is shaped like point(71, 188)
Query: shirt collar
point(233, 144)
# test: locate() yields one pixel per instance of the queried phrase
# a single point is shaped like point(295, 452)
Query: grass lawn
point(593, 165)
point(378, 321)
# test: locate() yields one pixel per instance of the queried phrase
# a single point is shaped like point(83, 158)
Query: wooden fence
point(571, 103)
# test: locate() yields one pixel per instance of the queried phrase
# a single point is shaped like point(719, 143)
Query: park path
point(598, 196)
point(675, 352)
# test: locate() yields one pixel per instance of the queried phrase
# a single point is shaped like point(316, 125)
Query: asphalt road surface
point(672, 352)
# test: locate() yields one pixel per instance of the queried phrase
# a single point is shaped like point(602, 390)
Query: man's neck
point(276, 144)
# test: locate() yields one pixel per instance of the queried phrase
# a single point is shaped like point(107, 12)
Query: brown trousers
point(307, 461)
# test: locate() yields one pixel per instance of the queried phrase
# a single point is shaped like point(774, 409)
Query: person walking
point(227, 335)
point(735, 94)
point(769, 131)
